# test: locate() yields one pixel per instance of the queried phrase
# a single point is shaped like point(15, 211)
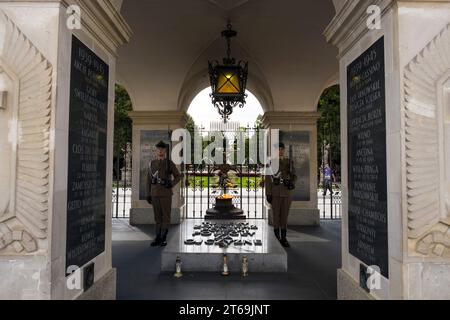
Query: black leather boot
point(277, 233)
point(157, 241)
point(283, 240)
point(164, 237)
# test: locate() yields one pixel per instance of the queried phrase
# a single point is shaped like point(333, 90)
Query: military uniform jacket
point(158, 170)
point(286, 172)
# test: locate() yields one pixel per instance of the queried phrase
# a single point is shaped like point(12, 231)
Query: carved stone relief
point(428, 213)
point(24, 223)
point(6, 150)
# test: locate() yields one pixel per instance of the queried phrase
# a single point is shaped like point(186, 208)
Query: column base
point(304, 217)
point(145, 216)
point(103, 289)
point(18, 281)
point(349, 289)
point(301, 217)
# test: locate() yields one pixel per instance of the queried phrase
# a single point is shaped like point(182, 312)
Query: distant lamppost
point(228, 80)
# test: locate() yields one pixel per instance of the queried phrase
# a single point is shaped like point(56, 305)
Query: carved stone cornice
point(350, 23)
point(103, 21)
point(169, 118)
point(283, 118)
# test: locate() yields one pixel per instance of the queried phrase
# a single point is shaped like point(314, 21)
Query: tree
point(190, 124)
point(193, 129)
point(329, 128)
point(259, 123)
point(122, 122)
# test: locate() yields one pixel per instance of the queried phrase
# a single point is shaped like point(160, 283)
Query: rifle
point(149, 184)
point(290, 184)
point(168, 183)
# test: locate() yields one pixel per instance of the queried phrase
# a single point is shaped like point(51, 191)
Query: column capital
point(170, 118)
point(289, 118)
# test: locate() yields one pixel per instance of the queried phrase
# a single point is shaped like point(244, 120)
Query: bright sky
point(203, 112)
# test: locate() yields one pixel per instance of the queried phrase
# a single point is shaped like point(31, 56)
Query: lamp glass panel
point(228, 81)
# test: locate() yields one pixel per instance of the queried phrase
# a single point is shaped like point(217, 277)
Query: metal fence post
point(117, 186)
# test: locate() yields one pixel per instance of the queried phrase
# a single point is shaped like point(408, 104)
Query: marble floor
point(313, 261)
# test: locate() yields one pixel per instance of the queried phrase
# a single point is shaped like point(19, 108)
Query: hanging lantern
point(228, 80)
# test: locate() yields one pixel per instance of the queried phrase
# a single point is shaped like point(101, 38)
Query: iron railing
point(121, 194)
point(330, 204)
point(201, 188)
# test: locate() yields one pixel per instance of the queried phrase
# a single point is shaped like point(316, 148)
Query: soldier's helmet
point(161, 145)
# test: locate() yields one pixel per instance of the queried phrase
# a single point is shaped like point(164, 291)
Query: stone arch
point(333, 81)
point(128, 89)
point(197, 78)
point(428, 224)
point(199, 82)
point(27, 221)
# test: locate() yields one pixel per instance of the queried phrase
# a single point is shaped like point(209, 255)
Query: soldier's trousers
point(162, 208)
point(280, 209)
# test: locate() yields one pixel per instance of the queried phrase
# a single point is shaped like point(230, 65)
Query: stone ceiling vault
point(165, 64)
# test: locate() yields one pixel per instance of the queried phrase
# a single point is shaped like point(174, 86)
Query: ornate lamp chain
point(229, 42)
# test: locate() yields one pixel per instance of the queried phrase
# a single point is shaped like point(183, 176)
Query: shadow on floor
point(313, 260)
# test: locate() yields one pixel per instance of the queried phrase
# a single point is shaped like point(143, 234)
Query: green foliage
point(247, 182)
point(193, 129)
point(258, 122)
point(329, 127)
point(190, 123)
point(122, 122)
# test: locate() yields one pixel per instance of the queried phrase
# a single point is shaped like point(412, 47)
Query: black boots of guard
point(164, 233)
point(283, 240)
point(281, 235)
point(277, 234)
point(161, 238)
point(157, 241)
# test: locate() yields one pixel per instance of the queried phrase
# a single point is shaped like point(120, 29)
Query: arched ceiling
point(338, 4)
point(165, 64)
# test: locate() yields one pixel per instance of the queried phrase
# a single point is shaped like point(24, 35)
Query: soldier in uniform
point(279, 194)
point(160, 194)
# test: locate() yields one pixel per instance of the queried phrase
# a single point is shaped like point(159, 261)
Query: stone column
point(36, 69)
point(299, 129)
point(150, 127)
point(415, 251)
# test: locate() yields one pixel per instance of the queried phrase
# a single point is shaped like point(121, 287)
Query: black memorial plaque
point(86, 189)
point(149, 139)
point(367, 179)
point(301, 152)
